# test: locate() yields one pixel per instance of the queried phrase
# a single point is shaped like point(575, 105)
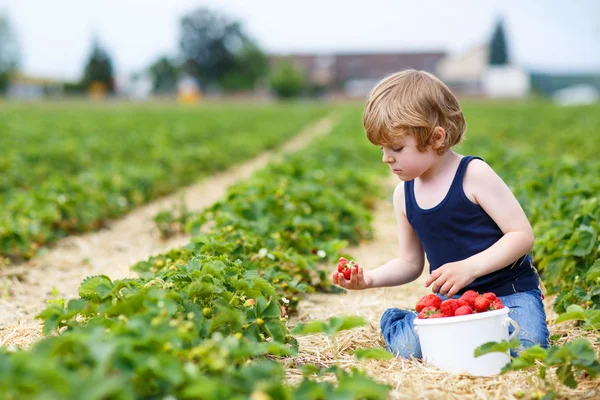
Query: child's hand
point(450, 278)
point(349, 276)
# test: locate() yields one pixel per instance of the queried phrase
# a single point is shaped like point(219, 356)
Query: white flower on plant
point(286, 301)
point(263, 252)
point(271, 256)
point(321, 253)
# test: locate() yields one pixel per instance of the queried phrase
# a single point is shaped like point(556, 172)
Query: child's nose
point(387, 158)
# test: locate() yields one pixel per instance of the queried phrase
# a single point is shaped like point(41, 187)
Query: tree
point(217, 51)
point(287, 81)
point(99, 68)
point(498, 46)
point(9, 53)
point(251, 64)
point(164, 74)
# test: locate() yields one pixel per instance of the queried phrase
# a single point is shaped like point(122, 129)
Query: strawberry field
point(65, 170)
point(212, 319)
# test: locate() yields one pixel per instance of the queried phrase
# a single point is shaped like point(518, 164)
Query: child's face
point(405, 160)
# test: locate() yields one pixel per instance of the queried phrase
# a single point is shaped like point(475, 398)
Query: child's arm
point(497, 200)
point(398, 271)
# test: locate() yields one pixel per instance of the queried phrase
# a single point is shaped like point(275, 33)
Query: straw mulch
point(410, 379)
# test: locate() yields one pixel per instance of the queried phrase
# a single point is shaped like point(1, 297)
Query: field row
point(66, 170)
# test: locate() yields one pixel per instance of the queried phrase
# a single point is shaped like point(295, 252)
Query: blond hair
point(412, 102)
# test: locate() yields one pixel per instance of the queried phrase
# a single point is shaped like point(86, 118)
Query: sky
point(554, 35)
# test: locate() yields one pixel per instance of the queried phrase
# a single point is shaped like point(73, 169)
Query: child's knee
point(398, 332)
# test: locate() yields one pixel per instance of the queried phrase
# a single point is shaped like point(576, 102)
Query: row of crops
point(208, 320)
point(65, 170)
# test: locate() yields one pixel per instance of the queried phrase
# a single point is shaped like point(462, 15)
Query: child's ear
point(438, 138)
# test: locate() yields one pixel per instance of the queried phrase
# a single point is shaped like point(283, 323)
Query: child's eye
point(396, 150)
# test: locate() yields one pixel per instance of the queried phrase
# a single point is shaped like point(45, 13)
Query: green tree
point(217, 51)
point(287, 81)
point(99, 67)
point(164, 73)
point(250, 66)
point(498, 46)
point(9, 53)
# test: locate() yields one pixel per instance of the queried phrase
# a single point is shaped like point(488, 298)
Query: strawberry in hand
point(349, 275)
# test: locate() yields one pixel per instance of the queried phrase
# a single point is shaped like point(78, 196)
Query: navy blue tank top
point(457, 228)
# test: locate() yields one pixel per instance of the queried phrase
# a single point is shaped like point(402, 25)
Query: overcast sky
point(55, 35)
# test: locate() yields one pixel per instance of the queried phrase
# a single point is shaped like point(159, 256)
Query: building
point(354, 74)
point(26, 87)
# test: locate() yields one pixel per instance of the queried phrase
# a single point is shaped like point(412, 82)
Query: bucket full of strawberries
point(449, 332)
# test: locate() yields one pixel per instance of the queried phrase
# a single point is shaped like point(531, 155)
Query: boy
point(453, 208)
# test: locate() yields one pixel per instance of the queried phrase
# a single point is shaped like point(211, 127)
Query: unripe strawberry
point(260, 321)
point(207, 312)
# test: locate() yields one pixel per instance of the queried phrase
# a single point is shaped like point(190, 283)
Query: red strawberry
point(462, 302)
point(431, 300)
point(341, 264)
point(481, 304)
point(496, 305)
point(427, 312)
point(490, 296)
point(438, 315)
point(448, 307)
point(469, 296)
point(347, 273)
point(464, 310)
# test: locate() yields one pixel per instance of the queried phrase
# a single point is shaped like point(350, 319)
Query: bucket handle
point(515, 326)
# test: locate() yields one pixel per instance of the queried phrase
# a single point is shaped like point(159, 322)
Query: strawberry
point(347, 273)
point(481, 304)
point(462, 302)
point(431, 300)
point(469, 296)
point(496, 304)
point(427, 312)
point(464, 310)
point(448, 307)
point(490, 296)
point(437, 315)
point(342, 264)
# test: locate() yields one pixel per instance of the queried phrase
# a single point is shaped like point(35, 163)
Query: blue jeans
point(526, 308)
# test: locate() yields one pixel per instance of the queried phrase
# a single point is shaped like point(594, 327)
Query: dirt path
point(410, 379)
point(25, 288)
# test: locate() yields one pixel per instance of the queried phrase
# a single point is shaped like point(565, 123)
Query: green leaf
point(374, 353)
point(594, 272)
point(311, 327)
point(583, 241)
point(574, 312)
point(95, 287)
point(497, 347)
point(272, 310)
point(343, 323)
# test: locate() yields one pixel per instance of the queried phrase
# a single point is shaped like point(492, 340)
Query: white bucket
point(450, 343)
